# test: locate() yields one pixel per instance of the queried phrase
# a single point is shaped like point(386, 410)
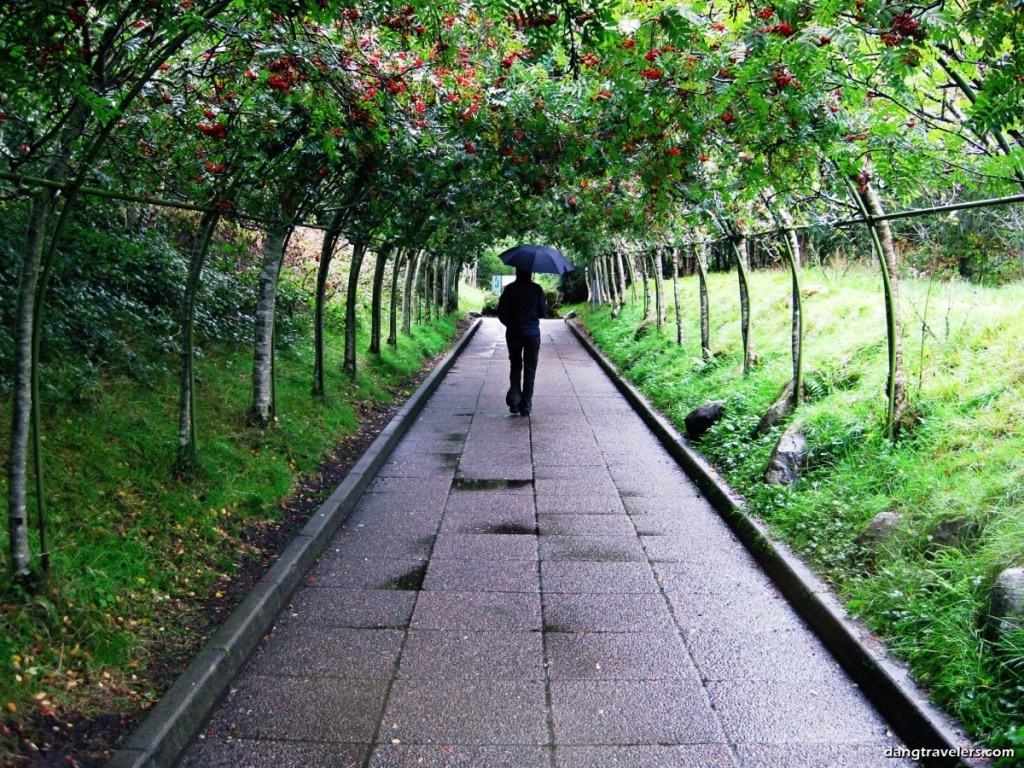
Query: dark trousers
point(523, 352)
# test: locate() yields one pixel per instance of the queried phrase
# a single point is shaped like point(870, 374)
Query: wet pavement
point(550, 592)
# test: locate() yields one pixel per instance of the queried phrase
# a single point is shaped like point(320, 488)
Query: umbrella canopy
point(537, 258)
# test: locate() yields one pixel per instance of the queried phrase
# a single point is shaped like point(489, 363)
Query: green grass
point(472, 297)
point(964, 459)
point(132, 550)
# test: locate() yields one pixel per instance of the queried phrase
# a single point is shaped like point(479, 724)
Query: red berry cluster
point(533, 22)
point(650, 74)
point(509, 60)
point(286, 74)
point(904, 26)
point(765, 13)
point(783, 28)
point(783, 79)
point(214, 131)
point(403, 21)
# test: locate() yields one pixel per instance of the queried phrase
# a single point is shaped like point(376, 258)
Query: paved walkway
point(543, 592)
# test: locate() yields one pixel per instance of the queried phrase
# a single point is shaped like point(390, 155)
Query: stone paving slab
point(585, 525)
point(583, 577)
point(466, 712)
point(619, 656)
point(684, 756)
point(482, 575)
point(500, 517)
point(460, 756)
point(300, 649)
point(320, 709)
point(477, 610)
point(633, 712)
point(356, 608)
point(783, 712)
point(542, 592)
point(447, 654)
point(266, 753)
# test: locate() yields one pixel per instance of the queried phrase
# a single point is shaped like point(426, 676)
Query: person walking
point(520, 308)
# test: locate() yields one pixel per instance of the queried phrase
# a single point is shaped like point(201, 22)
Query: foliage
point(489, 265)
point(117, 298)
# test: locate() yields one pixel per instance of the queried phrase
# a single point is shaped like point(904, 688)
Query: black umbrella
point(537, 258)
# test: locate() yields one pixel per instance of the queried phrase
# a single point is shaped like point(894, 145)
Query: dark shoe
point(525, 408)
point(512, 400)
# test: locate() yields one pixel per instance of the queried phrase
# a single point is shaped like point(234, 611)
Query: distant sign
point(498, 282)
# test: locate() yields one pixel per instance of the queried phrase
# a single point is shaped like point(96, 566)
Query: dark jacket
point(521, 307)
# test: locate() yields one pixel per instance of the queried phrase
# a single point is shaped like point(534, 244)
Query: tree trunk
point(261, 411)
point(739, 250)
point(609, 279)
point(438, 286)
point(620, 271)
point(322, 273)
point(412, 263)
point(659, 288)
point(881, 238)
point(185, 462)
point(633, 280)
point(675, 296)
point(393, 311)
point(446, 287)
point(417, 287)
point(792, 251)
point(377, 302)
point(609, 268)
point(647, 285)
point(456, 282)
point(17, 465)
point(427, 291)
point(701, 264)
point(349, 363)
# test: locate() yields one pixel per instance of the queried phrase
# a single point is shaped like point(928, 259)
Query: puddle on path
point(411, 581)
point(450, 460)
point(468, 484)
point(511, 529)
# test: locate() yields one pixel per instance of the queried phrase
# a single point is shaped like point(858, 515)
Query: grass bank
point(143, 567)
point(961, 468)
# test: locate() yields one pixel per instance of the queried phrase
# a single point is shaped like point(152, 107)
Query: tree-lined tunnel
point(162, 162)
